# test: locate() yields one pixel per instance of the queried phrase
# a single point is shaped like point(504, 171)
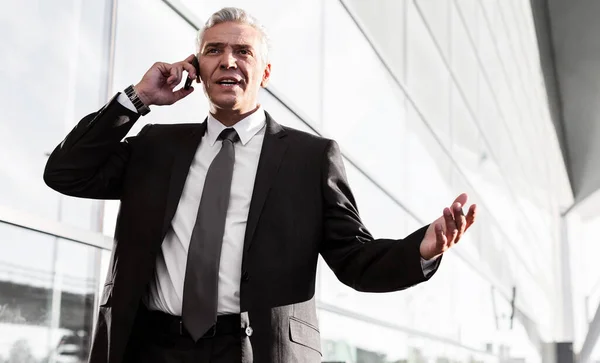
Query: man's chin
point(224, 103)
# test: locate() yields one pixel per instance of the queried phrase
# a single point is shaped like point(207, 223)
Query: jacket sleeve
point(91, 160)
point(357, 259)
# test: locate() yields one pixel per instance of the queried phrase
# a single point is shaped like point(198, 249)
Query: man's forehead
point(230, 33)
point(227, 44)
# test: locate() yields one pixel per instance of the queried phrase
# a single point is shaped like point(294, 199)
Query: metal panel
point(34, 223)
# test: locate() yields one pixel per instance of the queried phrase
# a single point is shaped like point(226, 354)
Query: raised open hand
point(447, 230)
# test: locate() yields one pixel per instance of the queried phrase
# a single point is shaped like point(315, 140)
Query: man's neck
point(231, 117)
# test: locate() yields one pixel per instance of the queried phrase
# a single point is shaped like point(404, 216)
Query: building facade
point(427, 99)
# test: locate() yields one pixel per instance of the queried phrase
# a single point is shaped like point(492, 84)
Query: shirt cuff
point(126, 102)
point(429, 266)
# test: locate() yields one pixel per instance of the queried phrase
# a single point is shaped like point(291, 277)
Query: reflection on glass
point(46, 297)
point(281, 114)
point(52, 56)
point(363, 105)
point(350, 341)
point(427, 77)
point(437, 18)
point(386, 26)
point(428, 171)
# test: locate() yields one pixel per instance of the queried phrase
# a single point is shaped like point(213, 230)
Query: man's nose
point(228, 61)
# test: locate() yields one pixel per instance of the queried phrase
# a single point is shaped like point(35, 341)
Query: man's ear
point(266, 76)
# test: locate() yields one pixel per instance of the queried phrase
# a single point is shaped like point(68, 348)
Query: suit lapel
point(182, 159)
point(274, 146)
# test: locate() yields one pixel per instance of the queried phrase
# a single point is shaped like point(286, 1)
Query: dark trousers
point(159, 338)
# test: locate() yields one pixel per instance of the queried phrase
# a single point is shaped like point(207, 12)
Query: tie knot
point(229, 134)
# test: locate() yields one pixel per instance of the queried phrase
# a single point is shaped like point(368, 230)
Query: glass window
point(490, 15)
point(281, 114)
point(468, 147)
point(479, 168)
point(381, 214)
point(495, 132)
point(347, 340)
point(385, 25)
point(470, 14)
point(363, 105)
point(427, 169)
point(46, 298)
point(515, 36)
point(527, 35)
point(488, 55)
point(57, 52)
point(427, 78)
point(295, 31)
point(436, 15)
point(109, 218)
point(464, 60)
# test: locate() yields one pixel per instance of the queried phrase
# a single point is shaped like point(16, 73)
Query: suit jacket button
point(249, 331)
point(245, 276)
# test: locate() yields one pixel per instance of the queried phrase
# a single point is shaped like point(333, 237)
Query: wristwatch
point(141, 108)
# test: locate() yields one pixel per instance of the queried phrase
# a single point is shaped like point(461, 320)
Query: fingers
point(189, 58)
point(440, 238)
point(451, 229)
point(176, 73)
point(190, 69)
point(459, 219)
point(462, 199)
point(452, 225)
point(471, 214)
point(173, 79)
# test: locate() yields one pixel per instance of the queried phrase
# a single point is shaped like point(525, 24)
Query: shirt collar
point(245, 128)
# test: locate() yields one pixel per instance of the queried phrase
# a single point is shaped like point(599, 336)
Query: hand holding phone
point(188, 81)
point(157, 86)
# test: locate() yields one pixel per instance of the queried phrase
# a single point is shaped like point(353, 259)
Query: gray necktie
point(204, 253)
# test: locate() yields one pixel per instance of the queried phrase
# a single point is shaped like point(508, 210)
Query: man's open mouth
point(228, 82)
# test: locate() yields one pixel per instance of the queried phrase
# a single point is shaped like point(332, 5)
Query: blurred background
point(427, 99)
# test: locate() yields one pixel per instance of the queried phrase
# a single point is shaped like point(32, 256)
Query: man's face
point(231, 66)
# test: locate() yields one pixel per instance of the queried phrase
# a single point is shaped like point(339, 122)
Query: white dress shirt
point(166, 290)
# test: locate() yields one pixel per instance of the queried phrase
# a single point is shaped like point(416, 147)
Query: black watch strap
point(141, 108)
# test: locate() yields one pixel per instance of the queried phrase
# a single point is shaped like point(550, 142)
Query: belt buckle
point(211, 333)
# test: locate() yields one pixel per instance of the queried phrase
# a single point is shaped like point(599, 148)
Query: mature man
point(221, 223)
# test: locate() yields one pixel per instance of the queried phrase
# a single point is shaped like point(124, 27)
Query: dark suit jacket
point(301, 206)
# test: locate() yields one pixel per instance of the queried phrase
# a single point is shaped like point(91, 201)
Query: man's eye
point(212, 50)
point(244, 51)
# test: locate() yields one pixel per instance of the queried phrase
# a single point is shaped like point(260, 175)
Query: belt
point(173, 325)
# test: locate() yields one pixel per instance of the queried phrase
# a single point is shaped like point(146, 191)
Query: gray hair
point(236, 15)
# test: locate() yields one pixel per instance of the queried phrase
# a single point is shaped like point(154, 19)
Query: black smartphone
point(188, 80)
